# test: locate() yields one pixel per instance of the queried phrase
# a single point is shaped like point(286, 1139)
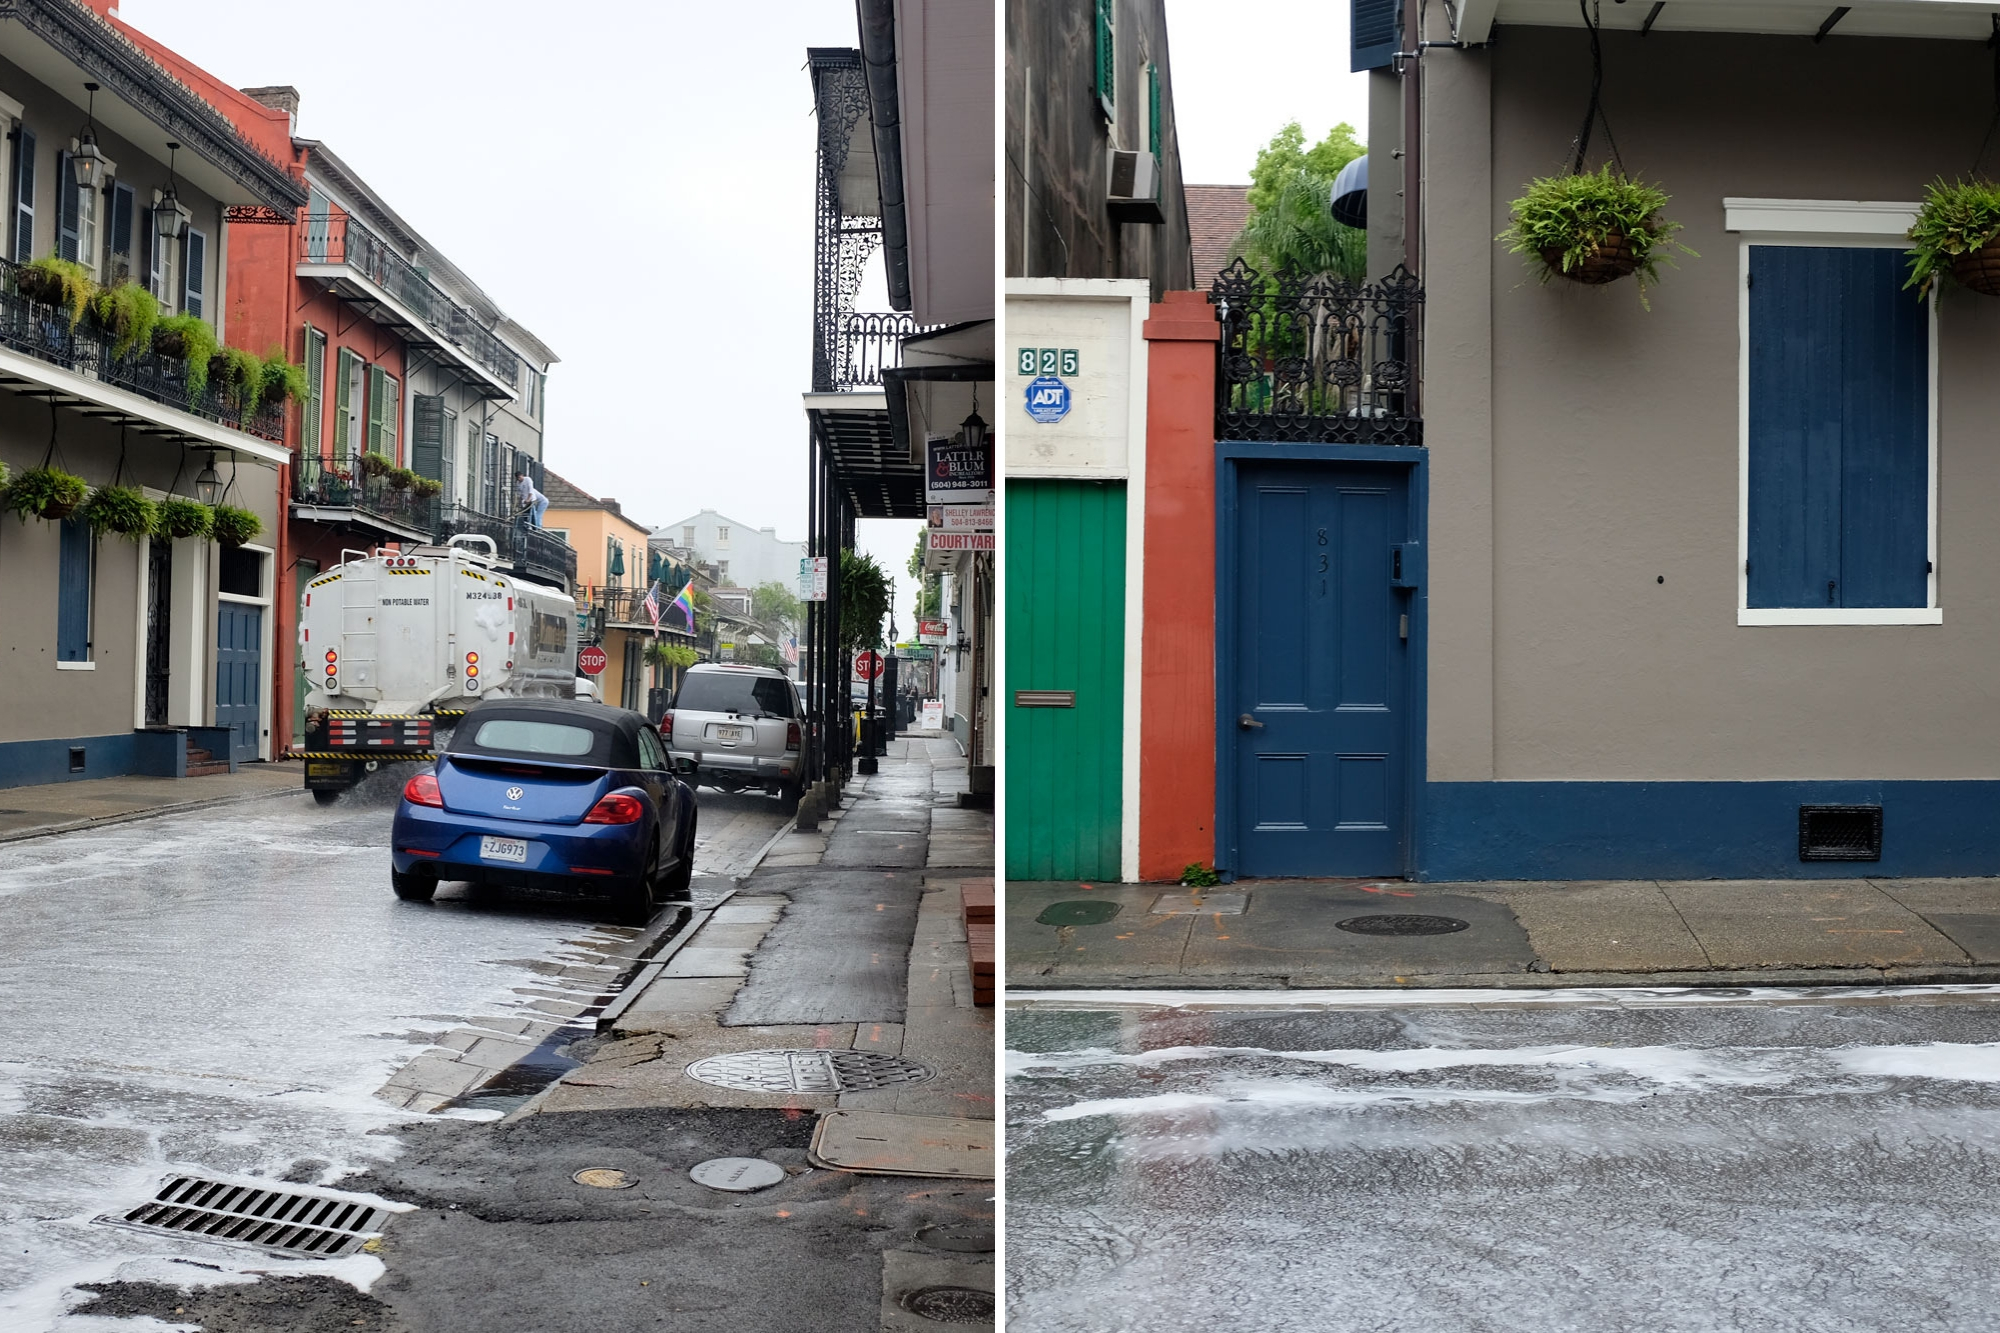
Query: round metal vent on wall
point(950, 1305)
point(782, 1071)
point(1402, 925)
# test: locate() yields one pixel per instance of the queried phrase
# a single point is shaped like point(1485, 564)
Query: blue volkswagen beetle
point(547, 793)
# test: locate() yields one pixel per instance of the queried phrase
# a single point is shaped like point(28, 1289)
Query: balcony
point(626, 607)
point(1317, 360)
point(335, 495)
point(536, 553)
point(851, 350)
point(44, 332)
point(364, 270)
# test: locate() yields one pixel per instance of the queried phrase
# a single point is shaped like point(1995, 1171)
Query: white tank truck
point(398, 646)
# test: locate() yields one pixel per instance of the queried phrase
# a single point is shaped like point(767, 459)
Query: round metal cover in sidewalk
point(781, 1071)
point(1392, 924)
point(950, 1305)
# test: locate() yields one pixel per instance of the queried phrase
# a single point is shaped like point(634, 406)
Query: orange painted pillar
point(1177, 673)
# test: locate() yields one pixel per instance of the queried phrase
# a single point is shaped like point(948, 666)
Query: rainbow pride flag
point(684, 603)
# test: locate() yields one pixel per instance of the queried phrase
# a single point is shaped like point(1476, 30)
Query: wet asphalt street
point(1777, 1161)
point(222, 992)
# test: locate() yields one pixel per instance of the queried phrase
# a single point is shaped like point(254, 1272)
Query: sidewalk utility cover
point(904, 1145)
point(288, 1221)
point(1079, 912)
point(1402, 925)
point(951, 1305)
point(781, 1071)
point(738, 1175)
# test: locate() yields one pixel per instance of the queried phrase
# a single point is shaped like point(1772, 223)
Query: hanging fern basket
point(1614, 257)
point(1979, 269)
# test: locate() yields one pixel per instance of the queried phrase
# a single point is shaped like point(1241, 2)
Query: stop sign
point(591, 661)
point(868, 665)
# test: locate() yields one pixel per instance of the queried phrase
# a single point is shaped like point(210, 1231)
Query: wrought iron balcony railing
point(321, 483)
point(627, 606)
point(852, 350)
point(1318, 360)
point(331, 239)
point(536, 550)
point(44, 331)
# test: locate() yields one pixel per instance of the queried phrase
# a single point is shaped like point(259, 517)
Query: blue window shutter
point(24, 196)
point(69, 219)
point(1376, 32)
point(1839, 467)
point(73, 593)
point(195, 273)
point(122, 203)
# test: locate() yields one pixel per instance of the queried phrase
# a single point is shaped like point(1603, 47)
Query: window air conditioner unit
point(1135, 186)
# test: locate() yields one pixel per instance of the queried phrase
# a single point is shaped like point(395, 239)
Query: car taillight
point(792, 736)
point(616, 808)
point(423, 790)
point(667, 727)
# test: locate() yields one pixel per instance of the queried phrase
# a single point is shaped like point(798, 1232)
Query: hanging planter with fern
point(121, 511)
point(1957, 232)
point(47, 493)
point(180, 518)
point(232, 526)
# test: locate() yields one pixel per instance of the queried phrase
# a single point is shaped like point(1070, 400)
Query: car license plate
point(504, 849)
point(730, 734)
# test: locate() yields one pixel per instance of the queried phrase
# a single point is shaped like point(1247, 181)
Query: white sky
point(1241, 70)
point(633, 184)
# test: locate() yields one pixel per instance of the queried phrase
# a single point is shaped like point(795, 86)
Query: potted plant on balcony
point(123, 511)
point(233, 370)
point(661, 653)
point(401, 479)
point(1594, 227)
point(190, 339)
point(47, 493)
point(1957, 231)
point(428, 487)
point(128, 313)
point(284, 380)
point(376, 465)
point(55, 281)
point(183, 518)
point(232, 526)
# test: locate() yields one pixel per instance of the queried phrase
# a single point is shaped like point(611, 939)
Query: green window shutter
point(343, 408)
point(427, 435)
point(375, 381)
point(1106, 76)
point(1153, 108)
point(310, 422)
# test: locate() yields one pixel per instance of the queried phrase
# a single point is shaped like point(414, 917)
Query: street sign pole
point(868, 764)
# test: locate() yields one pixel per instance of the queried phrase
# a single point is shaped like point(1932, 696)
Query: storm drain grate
point(951, 1305)
point(1402, 925)
point(282, 1220)
point(1840, 833)
point(807, 1071)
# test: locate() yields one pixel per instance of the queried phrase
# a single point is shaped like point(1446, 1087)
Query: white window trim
point(76, 666)
point(1857, 224)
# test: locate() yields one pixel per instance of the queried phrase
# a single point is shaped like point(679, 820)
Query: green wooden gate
point(1065, 636)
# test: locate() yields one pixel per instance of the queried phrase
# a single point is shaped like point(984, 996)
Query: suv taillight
point(792, 736)
point(616, 808)
point(667, 727)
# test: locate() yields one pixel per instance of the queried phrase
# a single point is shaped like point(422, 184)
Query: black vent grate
point(314, 1224)
point(1840, 833)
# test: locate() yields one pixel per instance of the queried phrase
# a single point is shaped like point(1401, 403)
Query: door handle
point(1249, 723)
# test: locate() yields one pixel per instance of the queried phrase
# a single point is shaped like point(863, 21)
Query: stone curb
point(1929, 975)
point(151, 812)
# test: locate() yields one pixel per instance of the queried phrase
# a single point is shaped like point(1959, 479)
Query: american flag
point(792, 650)
point(652, 603)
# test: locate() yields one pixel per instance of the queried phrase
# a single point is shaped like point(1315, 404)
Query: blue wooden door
point(1321, 679)
point(1839, 465)
point(239, 641)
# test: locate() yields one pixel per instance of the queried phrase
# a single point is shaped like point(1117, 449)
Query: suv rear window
point(727, 692)
point(522, 736)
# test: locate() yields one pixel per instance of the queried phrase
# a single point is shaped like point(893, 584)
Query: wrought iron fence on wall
point(45, 331)
point(317, 482)
point(1318, 360)
point(859, 346)
point(537, 550)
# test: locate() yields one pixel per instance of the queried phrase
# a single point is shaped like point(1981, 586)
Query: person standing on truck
point(530, 498)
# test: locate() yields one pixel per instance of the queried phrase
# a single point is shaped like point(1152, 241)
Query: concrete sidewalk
point(1303, 933)
point(63, 807)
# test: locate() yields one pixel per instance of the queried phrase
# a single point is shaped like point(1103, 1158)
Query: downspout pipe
point(1413, 135)
point(878, 59)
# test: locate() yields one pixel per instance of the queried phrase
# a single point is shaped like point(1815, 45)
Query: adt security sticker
point(1048, 399)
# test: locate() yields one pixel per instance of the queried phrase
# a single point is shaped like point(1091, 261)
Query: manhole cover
point(738, 1175)
point(807, 1071)
point(950, 1305)
point(1402, 925)
point(1079, 912)
point(284, 1220)
point(605, 1178)
point(959, 1237)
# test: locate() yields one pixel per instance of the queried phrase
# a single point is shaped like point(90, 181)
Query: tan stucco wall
point(588, 529)
point(1595, 451)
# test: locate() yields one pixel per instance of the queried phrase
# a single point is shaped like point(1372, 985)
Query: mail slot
point(1044, 698)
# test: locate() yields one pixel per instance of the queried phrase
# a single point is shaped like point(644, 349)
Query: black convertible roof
point(617, 729)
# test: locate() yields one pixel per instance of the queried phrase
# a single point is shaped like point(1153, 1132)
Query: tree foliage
point(775, 604)
point(1282, 158)
point(1291, 222)
point(864, 601)
point(930, 587)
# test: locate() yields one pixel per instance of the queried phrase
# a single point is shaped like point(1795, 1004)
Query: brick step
point(202, 770)
point(975, 897)
point(197, 755)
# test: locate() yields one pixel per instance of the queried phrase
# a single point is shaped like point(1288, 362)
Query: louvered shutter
point(156, 254)
point(120, 243)
point(392, 417)
point(490, 487)
point(73, 593)
point(67, 220)
point(24, 196)
point(343, 409)
point(1376, 31)
point(1106, 80)
point(197, 270)
point(427, 435)
point(448, 454)
point(375, 378)
point(312, 415)
point(1153, 108)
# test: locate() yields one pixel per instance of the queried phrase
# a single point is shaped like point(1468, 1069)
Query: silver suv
point(739, 728)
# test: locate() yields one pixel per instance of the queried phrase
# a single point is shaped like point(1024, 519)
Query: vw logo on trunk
point(513, 793)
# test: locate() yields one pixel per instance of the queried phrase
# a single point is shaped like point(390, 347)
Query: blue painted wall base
point(1697, 830)
point(31, 763)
